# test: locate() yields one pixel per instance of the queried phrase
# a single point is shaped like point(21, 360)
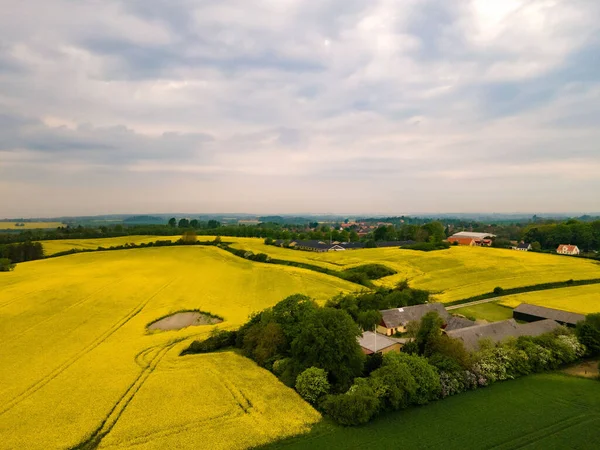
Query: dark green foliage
point(264, 341)
point(372, 363)
point(498, 290)
point(588, 333)
point(368, 320)
point(380, 299)
point(6, 265)
point(429, 332)
point(218, 340)
point(21, 252)
point(291, 312)
point(393, 383)
point(371, 271)
point(328, 341)
point(426, 376)
point(356, 407)
point(312, 384)
point(427, 246)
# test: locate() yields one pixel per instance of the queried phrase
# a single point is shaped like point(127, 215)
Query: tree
point(588, 333)
point(189, 237)
point(291, 312)
point(213, 224)
point(194, 223)
point(429, 331)
point(368, 320)
point(6, 265)
point(536, 246)
point(328, 340)
point(172, 222)
point(312, 384)
point(263, 341)
point(184, 223)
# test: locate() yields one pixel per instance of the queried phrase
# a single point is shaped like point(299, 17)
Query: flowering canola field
point(577, 299)
point(61, 245)
point(77, 362)
point(453, 274)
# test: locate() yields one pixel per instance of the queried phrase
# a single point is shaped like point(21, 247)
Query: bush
point(427, 246)
point(6, 265)
point(356, 407)
point(219, 339)
point(312, 384)
point(498, 290)
point(588, 333)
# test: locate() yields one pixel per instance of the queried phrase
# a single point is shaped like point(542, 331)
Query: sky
point(286, 106)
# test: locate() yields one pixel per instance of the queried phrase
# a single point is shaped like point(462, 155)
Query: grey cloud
point(352, 93)
point(107, 145)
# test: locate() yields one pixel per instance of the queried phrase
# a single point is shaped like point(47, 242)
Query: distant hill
point(144, 220)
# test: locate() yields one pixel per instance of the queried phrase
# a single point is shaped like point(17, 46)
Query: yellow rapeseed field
point(29, 225)
point(456, 273)
point(61, 245)
point(77, 360)
point(577, 299)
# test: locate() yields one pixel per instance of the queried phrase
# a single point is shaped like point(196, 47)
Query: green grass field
point(550, 411)
point(29, 225)
point(76, 358)
point(578, 299)
point(492, 312)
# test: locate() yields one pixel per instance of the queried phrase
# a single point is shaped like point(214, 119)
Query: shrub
point(498, 290)
point(588, 333)
point(356, 407)
point(6, 265)
point(312, 384)
point(425, 375)
point(394, 384)
point(219, 339)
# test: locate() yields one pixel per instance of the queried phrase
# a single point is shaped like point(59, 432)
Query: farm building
point(534, 313)
point(319, 246)
point(472, 238)
point(523, 247)
point(462, 241)
point(456, 323)
point(565, 249)
point(498, 331)
point(377, 343)
point(395, 320)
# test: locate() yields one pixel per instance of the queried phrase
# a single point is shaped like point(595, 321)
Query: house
point(468, 241)
point(534, 313)
point(523, 247)
point(377, 343)
point(395, 320)
point(498, 331)
point(565, 249)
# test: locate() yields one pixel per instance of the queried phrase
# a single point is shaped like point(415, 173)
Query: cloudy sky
point(283, 106)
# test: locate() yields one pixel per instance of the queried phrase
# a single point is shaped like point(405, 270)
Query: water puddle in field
point(181, 320)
